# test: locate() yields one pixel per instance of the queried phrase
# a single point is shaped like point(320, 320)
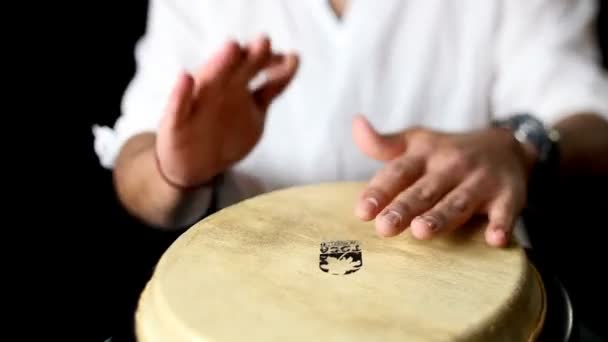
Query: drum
point(297, 265)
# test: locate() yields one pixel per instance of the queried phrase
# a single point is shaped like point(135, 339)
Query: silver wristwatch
point(528, 129)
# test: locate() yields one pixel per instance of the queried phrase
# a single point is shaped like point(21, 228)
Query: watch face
point(530, 130)
point(554, 136)
point(527, 129)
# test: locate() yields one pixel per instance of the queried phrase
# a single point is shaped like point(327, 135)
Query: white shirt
point(446, 65)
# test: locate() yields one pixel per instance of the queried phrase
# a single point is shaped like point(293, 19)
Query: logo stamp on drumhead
point(340, 257)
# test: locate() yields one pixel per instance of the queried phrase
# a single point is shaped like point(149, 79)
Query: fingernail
point(500, 235)
point(370, 205)
point(429, 222)
point(372, 202)
point(392, 217)
point(498, 227)
point(258, 81)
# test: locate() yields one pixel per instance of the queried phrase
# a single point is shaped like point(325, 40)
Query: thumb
point(375, 145)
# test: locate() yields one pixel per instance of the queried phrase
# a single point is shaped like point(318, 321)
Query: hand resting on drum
point(434, 182)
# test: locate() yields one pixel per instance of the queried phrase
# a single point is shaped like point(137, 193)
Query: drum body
point(297, 265)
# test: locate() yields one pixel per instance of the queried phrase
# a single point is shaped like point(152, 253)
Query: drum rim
point(570, 311)
point(553, 287)
point(569, 314)
point(537, 330)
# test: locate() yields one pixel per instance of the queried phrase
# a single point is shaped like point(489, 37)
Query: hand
point(435, 182)
point(213, 118)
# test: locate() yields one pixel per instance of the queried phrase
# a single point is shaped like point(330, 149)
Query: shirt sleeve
point(160, 55)
point(548, 61)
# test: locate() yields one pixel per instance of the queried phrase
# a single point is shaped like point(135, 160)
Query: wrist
point(525, 153)
point(175, 184)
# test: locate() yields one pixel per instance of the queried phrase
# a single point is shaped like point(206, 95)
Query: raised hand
point(435, 182)
point(213, 118)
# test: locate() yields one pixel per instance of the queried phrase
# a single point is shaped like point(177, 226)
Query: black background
point(118, 253)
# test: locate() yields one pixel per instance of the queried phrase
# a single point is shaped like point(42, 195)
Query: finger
point(257, 55)
point(375, 145)
point(221, 66)
point(415, 200)
point(259, 79)
point(385, 185)
point(179, 106)
point(455, 209)
point(501, 215)
point(277, 77)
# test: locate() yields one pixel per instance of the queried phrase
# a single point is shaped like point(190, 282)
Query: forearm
point(144, 192)
point(583, 144)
